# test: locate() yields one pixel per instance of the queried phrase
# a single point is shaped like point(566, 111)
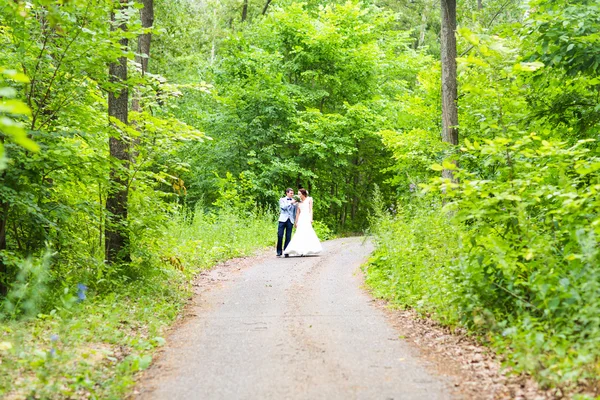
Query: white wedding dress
point(305, 241)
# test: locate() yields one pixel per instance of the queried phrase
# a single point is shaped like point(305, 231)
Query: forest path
point(289, 328)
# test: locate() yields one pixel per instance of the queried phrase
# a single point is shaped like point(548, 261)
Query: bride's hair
point(304, 192)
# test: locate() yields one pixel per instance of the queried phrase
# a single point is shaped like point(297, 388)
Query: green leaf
point(588, 169)
point(446, 164)
point(468, 35)
point(17, 133)
point(15, 107)
point(528, 66)
point(145, 361)
point(7, 92)
point(14, 75)
point(27, 143)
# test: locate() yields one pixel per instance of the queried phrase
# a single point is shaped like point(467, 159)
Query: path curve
point(290, 328)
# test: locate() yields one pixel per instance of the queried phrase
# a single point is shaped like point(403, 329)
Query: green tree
point(117, 232)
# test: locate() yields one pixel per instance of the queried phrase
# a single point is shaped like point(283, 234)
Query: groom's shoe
point(287, 255)
point(278, 254)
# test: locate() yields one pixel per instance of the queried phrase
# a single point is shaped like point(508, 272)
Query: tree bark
point(142, 57)
point(449, 81)
point(479, 5)
point(355, 186)
point(423, 27)
point(147, 19)
point(266, 7)
point(117, 235)
point(4, 207)
point(245, 10)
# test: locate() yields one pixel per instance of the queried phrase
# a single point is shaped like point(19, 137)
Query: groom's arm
point(284, 205)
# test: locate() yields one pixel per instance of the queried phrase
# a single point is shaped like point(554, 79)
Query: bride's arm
point(310, 203)
point(297, 215)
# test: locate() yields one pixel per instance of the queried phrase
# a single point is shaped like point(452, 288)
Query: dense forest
point(145, 140)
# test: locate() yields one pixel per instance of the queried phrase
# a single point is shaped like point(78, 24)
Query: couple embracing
point(298, 214)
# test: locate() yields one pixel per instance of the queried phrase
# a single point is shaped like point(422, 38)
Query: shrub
point(518, 261)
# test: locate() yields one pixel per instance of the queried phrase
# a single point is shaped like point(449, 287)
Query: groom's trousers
point(287, 227)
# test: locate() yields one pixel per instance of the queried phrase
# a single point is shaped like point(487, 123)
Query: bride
point(305, 240)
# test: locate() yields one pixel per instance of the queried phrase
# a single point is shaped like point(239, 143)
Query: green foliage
point(92, 345)
point(28, 292)
point(10, 110)
point(517, 262)
point(566, 35)
point(341, 97)
point(70, 320)
point(530, 251)
point(513, 256)
point(416, 247)
point(68, 352)
point(299, 98)
point(56, 196)
point(322, 230)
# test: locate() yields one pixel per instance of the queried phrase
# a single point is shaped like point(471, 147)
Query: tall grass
point(87, 340)
point(412, 266)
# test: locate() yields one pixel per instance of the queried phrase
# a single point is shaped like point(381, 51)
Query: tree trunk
point(147, 19)
point(117, 236)
point(479, 5)
point(423, 27)
point(213, 46)
point(449, 84)
point(142, 58)
point(245, 10)
point(266, 7)
point(355, 185)
point(4, 206)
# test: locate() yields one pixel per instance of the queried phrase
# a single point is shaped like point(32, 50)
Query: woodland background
point(145, 140)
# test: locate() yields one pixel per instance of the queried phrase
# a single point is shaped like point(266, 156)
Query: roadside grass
point(424, 261)
point(91, 345)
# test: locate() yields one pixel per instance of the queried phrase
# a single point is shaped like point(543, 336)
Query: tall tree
point(266, 7)
point(147, 19)
point(143, 53)
point(449, 83)
point(423, 26)
point(245, 10)
point(117, 237)
point(142, 57)
point(4, 206)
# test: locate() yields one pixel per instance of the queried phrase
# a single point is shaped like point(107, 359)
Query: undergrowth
point(431, 263)
point(87, 335)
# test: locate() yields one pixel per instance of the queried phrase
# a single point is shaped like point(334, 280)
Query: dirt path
point(290, 328)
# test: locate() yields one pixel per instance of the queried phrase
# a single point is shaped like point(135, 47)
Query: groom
point(287, 216)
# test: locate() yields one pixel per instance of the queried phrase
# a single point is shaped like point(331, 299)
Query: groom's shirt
point(287, 209)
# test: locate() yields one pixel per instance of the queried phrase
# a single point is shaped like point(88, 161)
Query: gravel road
point(289, 328)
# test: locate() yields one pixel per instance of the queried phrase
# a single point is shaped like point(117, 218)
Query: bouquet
point(297, 198)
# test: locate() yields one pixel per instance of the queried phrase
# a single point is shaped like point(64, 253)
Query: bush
point(518, 263)
point(29, 291)
point(531, 266)
point(416, 251)
point(322, 231)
